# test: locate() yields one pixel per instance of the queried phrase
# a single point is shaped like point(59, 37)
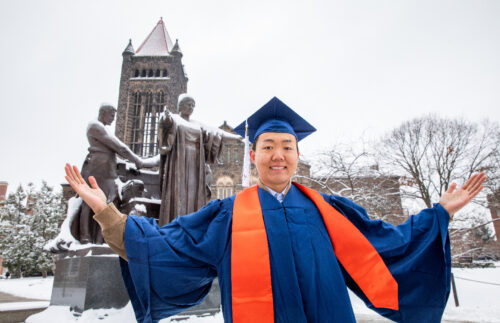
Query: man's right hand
point(139, 163)
point(92, 195)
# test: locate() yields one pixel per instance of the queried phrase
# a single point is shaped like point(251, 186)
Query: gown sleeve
point(416, 252)
point(171, 268)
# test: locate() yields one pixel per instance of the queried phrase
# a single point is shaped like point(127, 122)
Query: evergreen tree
point(28, 221)
point(48, 213)
point(12, 244)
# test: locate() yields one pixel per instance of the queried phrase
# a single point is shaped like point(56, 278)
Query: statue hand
point(92, 195)
point(453, 200)
point(139, 163)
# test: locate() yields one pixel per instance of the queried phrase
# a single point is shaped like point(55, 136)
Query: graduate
point(283, 252)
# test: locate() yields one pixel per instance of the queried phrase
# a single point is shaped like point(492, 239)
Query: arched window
point(235, 155)
point(143, 73)
point(224, 187)
point(150, 73)
point(164, 73)
point(149, 140)
point(157, 73)
point(136, 73)
point(135, 145)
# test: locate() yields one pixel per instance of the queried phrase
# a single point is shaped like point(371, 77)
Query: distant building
point(3, 190)
point(3, 196)
point(152, 78)
point(494, 206)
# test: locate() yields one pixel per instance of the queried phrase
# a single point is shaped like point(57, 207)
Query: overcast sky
point(351, 68)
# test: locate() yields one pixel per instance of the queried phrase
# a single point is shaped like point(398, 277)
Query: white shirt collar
point(279, 196)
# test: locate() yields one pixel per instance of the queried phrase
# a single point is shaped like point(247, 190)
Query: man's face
point(108, 117)
point(276, 158)
point(187, 107)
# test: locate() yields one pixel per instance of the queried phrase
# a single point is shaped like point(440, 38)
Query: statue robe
point(171, 268)
point(185, 147)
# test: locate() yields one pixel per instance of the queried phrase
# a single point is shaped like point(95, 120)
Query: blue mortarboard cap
point(275, 116)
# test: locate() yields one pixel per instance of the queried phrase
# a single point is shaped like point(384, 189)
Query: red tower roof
point(158, 42)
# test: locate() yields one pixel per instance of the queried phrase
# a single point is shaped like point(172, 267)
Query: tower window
point(150, 73)
point(164, 73)
point(153, 106)
point(157, 74)
point(136, 123)
point(149, 127)
point(143, 73)
point(136, 73)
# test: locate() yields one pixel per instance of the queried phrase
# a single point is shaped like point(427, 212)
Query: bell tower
point(152, 79)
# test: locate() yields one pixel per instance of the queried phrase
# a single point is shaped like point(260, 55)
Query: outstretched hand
point(453, 200)
point(92, 195)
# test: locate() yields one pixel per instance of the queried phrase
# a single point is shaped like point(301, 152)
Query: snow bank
point(32, 287)
point(63, 314)
point(124, 315)
point(22, 306)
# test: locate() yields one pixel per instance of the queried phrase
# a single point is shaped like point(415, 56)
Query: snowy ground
point(479, 298)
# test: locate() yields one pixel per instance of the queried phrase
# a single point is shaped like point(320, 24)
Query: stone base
point(88, 279)
point(91, 278)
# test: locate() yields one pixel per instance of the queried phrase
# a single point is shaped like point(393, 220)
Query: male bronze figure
point(101, 163)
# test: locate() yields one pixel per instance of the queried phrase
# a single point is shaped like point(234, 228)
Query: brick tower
point(152, 79)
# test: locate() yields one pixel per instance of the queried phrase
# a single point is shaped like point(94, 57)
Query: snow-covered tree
point(12, 247)
point(48, 212)
point(29, 220)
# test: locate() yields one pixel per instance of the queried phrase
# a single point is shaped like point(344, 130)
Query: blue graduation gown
point(171, 268)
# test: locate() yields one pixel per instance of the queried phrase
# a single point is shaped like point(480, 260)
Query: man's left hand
point(453, 200)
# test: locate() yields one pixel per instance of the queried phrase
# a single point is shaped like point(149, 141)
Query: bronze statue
point(186, 147)
point(101, 163)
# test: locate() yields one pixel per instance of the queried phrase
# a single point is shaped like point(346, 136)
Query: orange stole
point(252, 298)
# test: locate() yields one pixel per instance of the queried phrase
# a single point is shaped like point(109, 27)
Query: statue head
point(107, 114)
point(185, 105)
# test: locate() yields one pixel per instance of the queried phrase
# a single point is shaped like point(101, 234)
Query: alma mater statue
point(186, 148)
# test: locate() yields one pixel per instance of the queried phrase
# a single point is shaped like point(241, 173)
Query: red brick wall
point(494, 206)
point(3, 190)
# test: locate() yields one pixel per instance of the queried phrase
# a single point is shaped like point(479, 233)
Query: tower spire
point(158, 42)
point(129, 48)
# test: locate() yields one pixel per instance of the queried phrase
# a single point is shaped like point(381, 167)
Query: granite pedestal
point(88, 279)
point(91, 278)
